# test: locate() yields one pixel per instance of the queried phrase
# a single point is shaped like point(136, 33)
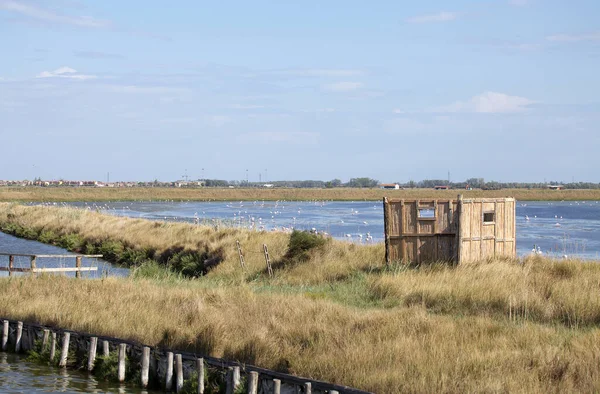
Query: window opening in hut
point(426, 213)
point(488, 217)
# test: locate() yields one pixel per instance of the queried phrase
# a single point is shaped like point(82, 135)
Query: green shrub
point(301, 243)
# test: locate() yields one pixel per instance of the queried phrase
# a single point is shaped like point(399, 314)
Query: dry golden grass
point(340, 316)
point(216, 194)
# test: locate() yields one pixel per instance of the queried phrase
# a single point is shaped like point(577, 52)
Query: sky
point(504, 90)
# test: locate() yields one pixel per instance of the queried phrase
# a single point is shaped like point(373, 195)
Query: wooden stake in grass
point(65, 350)
point(200, 368)
point(11, 263)
point(145, 366)
point(45, 339)
point(105, 349)
point(253, 382)
point(121, 368)
point(92, 353)
point(19, 337)
point(179, 371)
point(239, 248)
point(169, 372)
point(4, 335)
point(52, 347)
point(307, 388)
point(33, 265)
point(276, 386)
point(78, 265)
point(268, 260)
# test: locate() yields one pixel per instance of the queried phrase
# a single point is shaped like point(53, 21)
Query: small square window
point(426, 213)
point(488, 217)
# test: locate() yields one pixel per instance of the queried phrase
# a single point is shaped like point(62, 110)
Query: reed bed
point(43, 194)
point(338, 314)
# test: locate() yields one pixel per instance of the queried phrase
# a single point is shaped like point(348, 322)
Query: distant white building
point(393, 186)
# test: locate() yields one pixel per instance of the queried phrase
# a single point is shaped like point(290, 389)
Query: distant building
point(393, 186)
point(441, 187)
point(555, 187)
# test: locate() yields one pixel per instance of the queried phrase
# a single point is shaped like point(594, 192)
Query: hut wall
point(457, 231)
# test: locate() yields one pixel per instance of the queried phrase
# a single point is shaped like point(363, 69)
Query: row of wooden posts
point(173, 377)
point(267, 258)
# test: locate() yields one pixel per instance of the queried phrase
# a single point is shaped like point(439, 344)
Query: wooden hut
point(457, 231)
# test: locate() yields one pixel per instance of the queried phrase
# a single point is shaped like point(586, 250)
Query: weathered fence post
point(11, 264)
point(4, 335)
point(333, 392)
point(268, 260)
point(276, 386)
point(19, 337)
point(200, 368)
point(307, 388)
point(145, 366)
point(92, 353)
point(33, 265)
point(65, 350)
point(229, 381)
point(121, 368)
point(78, 265)
point(253, 382)
point(45, 339)
point(179, 371)
point(239, 248)
point(169, 372)
point(105, 349)
point(52, 346)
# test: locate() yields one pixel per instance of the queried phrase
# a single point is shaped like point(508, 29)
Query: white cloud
point(281, 137)
point(443, 16)
point(65, 72)
point(593, 36)
point(490, 103)
point(36, 12)
point(343, 86)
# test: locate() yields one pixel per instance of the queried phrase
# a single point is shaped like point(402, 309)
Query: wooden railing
point(33, 269)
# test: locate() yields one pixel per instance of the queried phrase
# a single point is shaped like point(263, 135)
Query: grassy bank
point(251, 194)
point(333, 312)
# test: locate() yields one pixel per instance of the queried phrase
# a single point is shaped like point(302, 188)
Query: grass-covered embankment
point(334, 312)
point(42, 194)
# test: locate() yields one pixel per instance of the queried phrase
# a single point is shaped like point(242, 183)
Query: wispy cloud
point(490, 103)
point(34, 11)
point(97, 55)
point(65, 72)
point(593, 36)
point(345, 86)
point(443, 16)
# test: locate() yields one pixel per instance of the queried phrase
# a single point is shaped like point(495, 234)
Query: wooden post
point(121, 368)
point(386, 231)
point(458, 227)
point(179, 372)
point(78, 265)
point(45, 339)
point(169, 372)
point(268, 261)
point(65, 350)
point(33, 265)
point(253, 382)
point(4, 335)
point(307, 388)
point(19, 337)
point(92, 353)
point(229, 380)
point(333, 392)
point(11, 263)
point(200, 368)
point(145, 366)
point(239, 248)
point(52, 346)
point(276, 386)
point(105, 349)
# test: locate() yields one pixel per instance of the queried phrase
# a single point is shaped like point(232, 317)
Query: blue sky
point(504, 90)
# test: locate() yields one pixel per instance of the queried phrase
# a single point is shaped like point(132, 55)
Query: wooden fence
point(33, 268)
